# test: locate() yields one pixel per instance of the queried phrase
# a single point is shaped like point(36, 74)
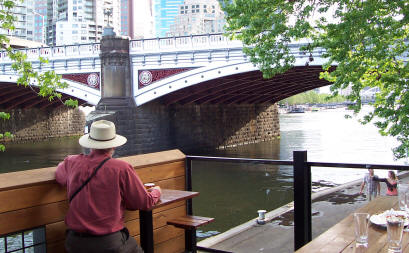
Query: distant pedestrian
point(373, 187)
point(391, 183)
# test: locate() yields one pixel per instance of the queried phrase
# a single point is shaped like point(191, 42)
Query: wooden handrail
point(25, 178)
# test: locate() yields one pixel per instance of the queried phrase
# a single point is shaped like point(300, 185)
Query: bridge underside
point(249, 88)
point(13, 96)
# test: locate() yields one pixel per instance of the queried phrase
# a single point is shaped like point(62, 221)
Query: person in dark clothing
point(391, 183)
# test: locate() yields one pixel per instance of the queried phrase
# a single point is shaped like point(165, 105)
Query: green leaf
point(4, 115)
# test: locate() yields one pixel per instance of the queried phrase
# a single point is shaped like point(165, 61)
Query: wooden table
point(341, 237)
point(146, 221)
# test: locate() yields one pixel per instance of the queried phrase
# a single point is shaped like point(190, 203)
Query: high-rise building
point(164, 12)
point(198, 17)
point(81, 21)
point(143, 20)
point(24, 24)
point(40, 20)
point(126, 16)
point(137, 19)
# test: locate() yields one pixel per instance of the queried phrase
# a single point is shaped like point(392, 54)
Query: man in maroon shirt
point(100, 188)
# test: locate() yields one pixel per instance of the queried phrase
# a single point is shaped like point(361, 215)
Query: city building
point(164, 12)
point(40, 20)
point(198, 17)
point(81, 21)
point(24, 13)
point(143, 20)
point(126, 15)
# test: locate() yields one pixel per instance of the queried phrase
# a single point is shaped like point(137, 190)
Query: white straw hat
point(102, 135)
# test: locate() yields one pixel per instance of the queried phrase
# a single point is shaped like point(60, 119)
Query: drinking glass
point(361, 221)
point(406, 229)
point(394, 225)
point(402, 190)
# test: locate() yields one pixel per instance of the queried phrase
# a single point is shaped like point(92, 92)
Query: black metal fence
point(302, 185)
point(32, 240)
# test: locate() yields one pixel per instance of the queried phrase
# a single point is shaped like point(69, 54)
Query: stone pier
point(154, 127)
point(36, 124)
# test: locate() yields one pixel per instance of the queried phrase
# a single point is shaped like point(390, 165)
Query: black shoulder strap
point(88, 179)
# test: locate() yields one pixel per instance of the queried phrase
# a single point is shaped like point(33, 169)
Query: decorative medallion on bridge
point(147, 77)
point(89, 79)
point(93, 80)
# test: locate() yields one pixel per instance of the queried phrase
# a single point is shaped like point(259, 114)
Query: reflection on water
point(232, 193)
point(27, 156)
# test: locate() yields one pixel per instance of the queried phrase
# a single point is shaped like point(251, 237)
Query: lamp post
point(43, 40)
point(108, 30)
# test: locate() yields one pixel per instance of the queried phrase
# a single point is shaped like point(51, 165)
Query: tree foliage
point(312, 97)
point(48, 82)
point(367, 41)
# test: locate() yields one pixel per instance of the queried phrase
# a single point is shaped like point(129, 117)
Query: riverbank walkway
point(329, 207)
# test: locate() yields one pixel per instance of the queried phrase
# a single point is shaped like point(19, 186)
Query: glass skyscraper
point(165, 12)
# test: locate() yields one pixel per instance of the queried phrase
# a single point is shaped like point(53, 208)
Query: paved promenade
point(329, 207)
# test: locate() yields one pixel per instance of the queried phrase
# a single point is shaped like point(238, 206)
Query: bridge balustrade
point(71, 51)
point(184, 42)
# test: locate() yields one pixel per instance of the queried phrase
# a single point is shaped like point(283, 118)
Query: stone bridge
point(184, 92)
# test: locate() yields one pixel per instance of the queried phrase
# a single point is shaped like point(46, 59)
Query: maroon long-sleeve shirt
point(99, 207)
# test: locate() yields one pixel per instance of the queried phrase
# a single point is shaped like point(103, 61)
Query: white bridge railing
point(196, 42)
point(68, 51)
point(153, 45)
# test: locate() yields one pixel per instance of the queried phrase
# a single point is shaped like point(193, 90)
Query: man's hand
point(157, 188)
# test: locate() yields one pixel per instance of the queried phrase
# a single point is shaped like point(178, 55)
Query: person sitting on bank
point(391, 183)
point(99, 189)
point(373, 187)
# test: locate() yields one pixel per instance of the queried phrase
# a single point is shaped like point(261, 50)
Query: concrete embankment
point(328, 208)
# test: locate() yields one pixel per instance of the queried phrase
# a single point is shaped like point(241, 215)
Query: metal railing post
point(188, 182)
point(302, 200)
point(190, 235)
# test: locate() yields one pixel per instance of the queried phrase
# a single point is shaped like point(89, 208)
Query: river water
point(232, 193)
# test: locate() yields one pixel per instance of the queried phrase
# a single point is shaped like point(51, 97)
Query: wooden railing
point(33, 199)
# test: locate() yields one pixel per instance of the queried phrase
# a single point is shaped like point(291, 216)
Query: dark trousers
point(118, 242)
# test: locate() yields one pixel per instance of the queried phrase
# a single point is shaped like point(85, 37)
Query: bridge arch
point(235, 83)
point(82, 93)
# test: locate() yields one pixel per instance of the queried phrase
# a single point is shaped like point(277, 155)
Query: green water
point(42, 154)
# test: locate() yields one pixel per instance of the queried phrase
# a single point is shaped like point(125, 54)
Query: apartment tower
point(164, 12)
point(24, 13)
point(198, 17)
point(81, 21)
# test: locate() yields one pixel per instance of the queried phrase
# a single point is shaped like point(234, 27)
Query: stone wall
point(222, 126)
point(35, 124)
point(153, 127)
